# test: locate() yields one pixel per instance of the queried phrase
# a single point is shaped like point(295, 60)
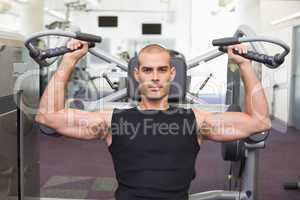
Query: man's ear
point(136, 74)
point(173, 73)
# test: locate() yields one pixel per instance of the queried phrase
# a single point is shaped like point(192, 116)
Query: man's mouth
point(155, 88)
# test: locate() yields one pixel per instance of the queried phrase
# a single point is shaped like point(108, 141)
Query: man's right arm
point(70, 122)
point(79, 124)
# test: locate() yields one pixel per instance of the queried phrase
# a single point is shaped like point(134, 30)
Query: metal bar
point(205, 57)
point(20, 142)
point(52, 33)
point(265, 39)
point(109, 58)
point(196, 102)
point(259, 145)
point(115, 96)
point(95, 105)
point(250, 173)
point(219, 195)
point(193, 99)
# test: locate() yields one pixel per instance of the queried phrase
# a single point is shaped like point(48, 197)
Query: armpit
point(206, 129)
point(203, 128)
point(99, 130)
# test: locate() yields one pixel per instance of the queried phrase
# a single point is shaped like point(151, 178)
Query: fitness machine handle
point(40, 55)
point(49, 53)
point(270, 61)
point(226, 41)
point(252, 55)
point(88, 37)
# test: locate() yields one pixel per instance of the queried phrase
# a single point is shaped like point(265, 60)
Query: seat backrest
point(178, 85)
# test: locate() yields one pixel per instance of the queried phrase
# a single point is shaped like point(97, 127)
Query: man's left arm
point(230, 126)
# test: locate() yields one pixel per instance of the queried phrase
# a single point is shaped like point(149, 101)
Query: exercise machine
point(242, 156)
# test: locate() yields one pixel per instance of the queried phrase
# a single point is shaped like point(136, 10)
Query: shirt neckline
point(137, 108)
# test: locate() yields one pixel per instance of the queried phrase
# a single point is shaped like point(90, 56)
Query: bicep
point(222, 128)
point(227, 126)
point(78, 124)
point(233, 121)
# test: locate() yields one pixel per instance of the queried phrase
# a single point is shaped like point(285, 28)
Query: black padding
point(178, 86)
point(291, 186)
point(233, 151)
point(257, 137)
point(7, 104)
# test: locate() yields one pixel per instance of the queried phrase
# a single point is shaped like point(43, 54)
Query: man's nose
point(155, 76)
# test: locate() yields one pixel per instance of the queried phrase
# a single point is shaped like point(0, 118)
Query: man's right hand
point(75, 56)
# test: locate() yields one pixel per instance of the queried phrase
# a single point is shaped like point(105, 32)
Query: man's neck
point(145, 104)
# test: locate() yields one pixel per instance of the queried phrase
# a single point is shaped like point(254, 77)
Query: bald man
point(153, 145)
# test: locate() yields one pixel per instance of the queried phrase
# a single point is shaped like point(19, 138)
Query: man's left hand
point(242, 49)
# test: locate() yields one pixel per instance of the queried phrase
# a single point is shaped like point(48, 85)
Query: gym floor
point(83, 169)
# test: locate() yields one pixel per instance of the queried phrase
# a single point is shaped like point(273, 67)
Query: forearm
point(255, 102)
point(53, 98)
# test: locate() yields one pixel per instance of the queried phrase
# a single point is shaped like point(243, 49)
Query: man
point(153, 145)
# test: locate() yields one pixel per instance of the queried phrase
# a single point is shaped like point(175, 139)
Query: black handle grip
point(226, 41)
point(251, 55)
point(291, 186)
point(49, 53)
point(88, 37)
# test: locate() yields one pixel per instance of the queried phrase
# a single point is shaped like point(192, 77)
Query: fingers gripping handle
point(49, 53)
point(270, 61)
point(251, 55)
point(40, 55)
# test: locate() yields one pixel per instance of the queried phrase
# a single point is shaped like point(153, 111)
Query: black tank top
point(154, 153)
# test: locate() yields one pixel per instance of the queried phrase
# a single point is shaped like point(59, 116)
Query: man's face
point(154, 75)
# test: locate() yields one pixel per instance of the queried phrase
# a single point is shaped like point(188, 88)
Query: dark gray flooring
point(83, 169)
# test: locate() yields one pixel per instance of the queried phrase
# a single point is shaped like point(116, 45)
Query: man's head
point(154, 73)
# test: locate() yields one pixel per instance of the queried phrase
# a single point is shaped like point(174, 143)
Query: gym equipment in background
point(19, 154)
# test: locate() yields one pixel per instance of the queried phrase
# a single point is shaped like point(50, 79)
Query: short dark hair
point(153, 48)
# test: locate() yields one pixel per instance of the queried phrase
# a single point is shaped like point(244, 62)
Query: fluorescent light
point(286, 19)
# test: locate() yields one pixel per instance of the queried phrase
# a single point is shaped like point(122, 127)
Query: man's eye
point(163, 69)
point(147, 70)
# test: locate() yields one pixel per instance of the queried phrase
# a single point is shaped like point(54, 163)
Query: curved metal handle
point(40, 55)
point(58, 51)
point(270, 61)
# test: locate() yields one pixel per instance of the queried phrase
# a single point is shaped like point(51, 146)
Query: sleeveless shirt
point(154, 153)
